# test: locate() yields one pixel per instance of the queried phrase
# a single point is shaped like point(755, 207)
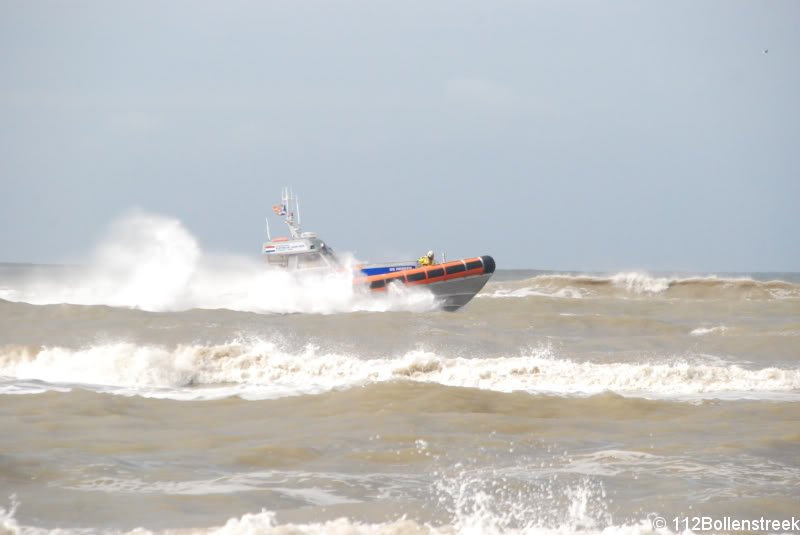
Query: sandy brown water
point(551, 403)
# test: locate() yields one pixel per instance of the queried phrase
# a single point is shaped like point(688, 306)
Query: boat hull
point(454, 294)
point(453, 283)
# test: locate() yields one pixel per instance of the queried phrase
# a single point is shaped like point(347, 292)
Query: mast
point(286, 199)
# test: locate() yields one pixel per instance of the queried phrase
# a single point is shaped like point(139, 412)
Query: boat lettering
point(291, 246)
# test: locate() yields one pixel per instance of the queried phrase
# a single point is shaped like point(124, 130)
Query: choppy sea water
point(166, 392)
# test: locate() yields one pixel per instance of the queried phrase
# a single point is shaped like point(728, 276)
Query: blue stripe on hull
point(380, 270)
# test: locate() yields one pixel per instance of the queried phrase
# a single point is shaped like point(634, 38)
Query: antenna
point(269, 236)
point(287, 196)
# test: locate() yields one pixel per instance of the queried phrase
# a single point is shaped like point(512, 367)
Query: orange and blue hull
point(454, 283)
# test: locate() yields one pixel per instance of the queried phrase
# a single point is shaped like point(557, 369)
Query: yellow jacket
point(424, 261)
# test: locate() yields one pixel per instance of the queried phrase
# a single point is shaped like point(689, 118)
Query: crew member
point(426, 260)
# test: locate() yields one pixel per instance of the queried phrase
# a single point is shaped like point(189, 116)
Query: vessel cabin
point(305, 252)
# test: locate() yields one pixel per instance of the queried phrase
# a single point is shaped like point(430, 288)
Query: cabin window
point(281, 261)
point(309, 260)
point(380, 283)
point(399, 278)
point(418, 276)
point(474, 264)
point(456, 268)
point(435, 273)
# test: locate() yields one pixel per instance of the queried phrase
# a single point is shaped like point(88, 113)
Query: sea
point(155, 388)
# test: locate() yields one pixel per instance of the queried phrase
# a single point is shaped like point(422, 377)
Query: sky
point(589, 136)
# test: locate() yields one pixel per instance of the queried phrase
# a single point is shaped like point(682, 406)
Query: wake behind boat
point(454, 283)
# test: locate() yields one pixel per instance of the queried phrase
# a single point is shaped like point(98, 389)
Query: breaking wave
point(154, 263)
point(474, 501)
point(260, 369)
point(635, 284)
point(703, 331)
point(267, 523)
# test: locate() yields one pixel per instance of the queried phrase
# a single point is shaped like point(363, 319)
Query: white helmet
point(430, 254)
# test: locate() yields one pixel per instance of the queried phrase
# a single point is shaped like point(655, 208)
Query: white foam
point(640, 283)
point(475, 511)
point(581, 286)
point(265, 522)
point(784, 293)
point(290, 484)
point(8, 524)
point(562, 293)
point(609, 463)
point(260, 369)
point(702, 331)
point(154, 263)
point(483, 502)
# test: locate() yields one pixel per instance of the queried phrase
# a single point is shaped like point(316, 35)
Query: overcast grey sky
point(552, 135)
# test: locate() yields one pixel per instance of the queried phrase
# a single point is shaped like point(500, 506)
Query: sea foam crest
point(474, 510)
point(636, 284)
point(579, 286)
point(640, 283)
point(263, 369)
point(702, 331)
